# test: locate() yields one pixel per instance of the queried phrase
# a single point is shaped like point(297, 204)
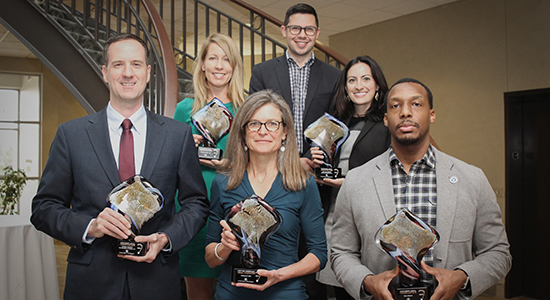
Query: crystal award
point(406, 238)
point(327, 133)
point(138, 201)
point(252, 221)
point(213, 121)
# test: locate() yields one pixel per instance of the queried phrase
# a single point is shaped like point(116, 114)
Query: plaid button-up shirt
point(299, 80)
point(417, 192)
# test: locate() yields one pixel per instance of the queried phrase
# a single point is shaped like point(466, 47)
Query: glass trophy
point(213, 121)
point(406, 238)
point(252, 221)
point(138, 201)
point(327, 133)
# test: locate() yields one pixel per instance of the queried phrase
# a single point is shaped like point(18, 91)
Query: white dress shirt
point(139, 133)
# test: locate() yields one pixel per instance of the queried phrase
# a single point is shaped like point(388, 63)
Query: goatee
point(407, 141)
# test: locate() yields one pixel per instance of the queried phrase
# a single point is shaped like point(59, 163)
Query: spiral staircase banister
point(168, 62)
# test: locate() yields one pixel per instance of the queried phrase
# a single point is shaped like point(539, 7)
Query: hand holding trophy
point(327, 133)
point(252, 221)
point(137, 200)
point(407, 239)
point(213, 121)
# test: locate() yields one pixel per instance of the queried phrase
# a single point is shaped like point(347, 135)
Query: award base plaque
point(325, 172)
point(129, 247)
point(210, 153)
point(416, 292)
point(244, 275)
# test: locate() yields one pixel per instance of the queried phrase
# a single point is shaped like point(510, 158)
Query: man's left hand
point(155, 243)
point(450, 281)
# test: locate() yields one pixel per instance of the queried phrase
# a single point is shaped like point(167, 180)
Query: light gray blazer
point(472, 236)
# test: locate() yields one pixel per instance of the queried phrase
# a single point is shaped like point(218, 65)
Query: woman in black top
point(359, 104)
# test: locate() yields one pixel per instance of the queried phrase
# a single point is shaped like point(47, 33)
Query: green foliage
point(11, 187)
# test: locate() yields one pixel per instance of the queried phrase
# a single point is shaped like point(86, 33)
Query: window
point(20, 130)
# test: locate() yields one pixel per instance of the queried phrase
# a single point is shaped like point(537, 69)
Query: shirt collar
point(114, 119)
point(308, 63)
point(428, 158)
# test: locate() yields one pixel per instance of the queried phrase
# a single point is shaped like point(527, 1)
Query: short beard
point(407, 141)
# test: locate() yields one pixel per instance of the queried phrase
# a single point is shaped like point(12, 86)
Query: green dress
point(192, 263)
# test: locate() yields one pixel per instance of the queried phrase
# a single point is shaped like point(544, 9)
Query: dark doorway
point(528, 191)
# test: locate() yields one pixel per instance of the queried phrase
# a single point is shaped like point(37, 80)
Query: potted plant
point(11, 187)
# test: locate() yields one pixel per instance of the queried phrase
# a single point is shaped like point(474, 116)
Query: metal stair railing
point(189, 22)
point(89, 23)
point(174, 36)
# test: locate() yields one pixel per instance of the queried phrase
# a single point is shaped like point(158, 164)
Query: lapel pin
point(453, 179)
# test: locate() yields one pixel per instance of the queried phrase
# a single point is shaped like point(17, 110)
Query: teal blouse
point(301, 212)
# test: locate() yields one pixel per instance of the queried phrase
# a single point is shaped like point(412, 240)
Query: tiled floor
point(61, 251)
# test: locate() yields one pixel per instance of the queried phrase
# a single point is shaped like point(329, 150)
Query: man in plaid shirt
point(453, 197)
point(306, 83)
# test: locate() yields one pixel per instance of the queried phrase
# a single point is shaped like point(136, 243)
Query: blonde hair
point(295, 177)
point(236, 87)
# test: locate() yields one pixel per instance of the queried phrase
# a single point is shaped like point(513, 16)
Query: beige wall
point(58, 104)
point(469, 53)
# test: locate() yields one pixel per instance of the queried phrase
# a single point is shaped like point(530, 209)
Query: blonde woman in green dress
point(217, 73)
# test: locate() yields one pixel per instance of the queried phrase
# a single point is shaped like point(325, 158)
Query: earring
point(376, 96)
point(348, 98)
point(245, 148)
point(283, 148)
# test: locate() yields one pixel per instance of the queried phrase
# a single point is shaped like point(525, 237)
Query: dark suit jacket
point(81, 171)
point(323, 79)
point(373, 140)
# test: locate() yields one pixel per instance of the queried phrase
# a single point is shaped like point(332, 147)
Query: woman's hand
point(217, 253)
point(229, 240)
point(212, 163)
point(199, 139)
point(337, 183)
point(317, 156)
point(307, 265)
point(273, 277)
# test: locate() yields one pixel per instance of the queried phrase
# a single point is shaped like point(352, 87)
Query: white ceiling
point(335, 16)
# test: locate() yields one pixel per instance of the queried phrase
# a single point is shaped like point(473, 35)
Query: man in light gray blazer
point(473, 251)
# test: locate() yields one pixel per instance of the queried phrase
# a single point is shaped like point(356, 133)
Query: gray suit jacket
point(81, 171)
point(323, 79)
point(468, 220)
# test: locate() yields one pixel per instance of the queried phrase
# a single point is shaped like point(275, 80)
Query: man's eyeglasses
point(295, 30)
point(269, 125)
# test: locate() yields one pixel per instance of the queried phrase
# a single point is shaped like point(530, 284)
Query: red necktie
point(126, 167)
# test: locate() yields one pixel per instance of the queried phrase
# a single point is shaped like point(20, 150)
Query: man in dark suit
point(82, 169)
point(306, 83)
